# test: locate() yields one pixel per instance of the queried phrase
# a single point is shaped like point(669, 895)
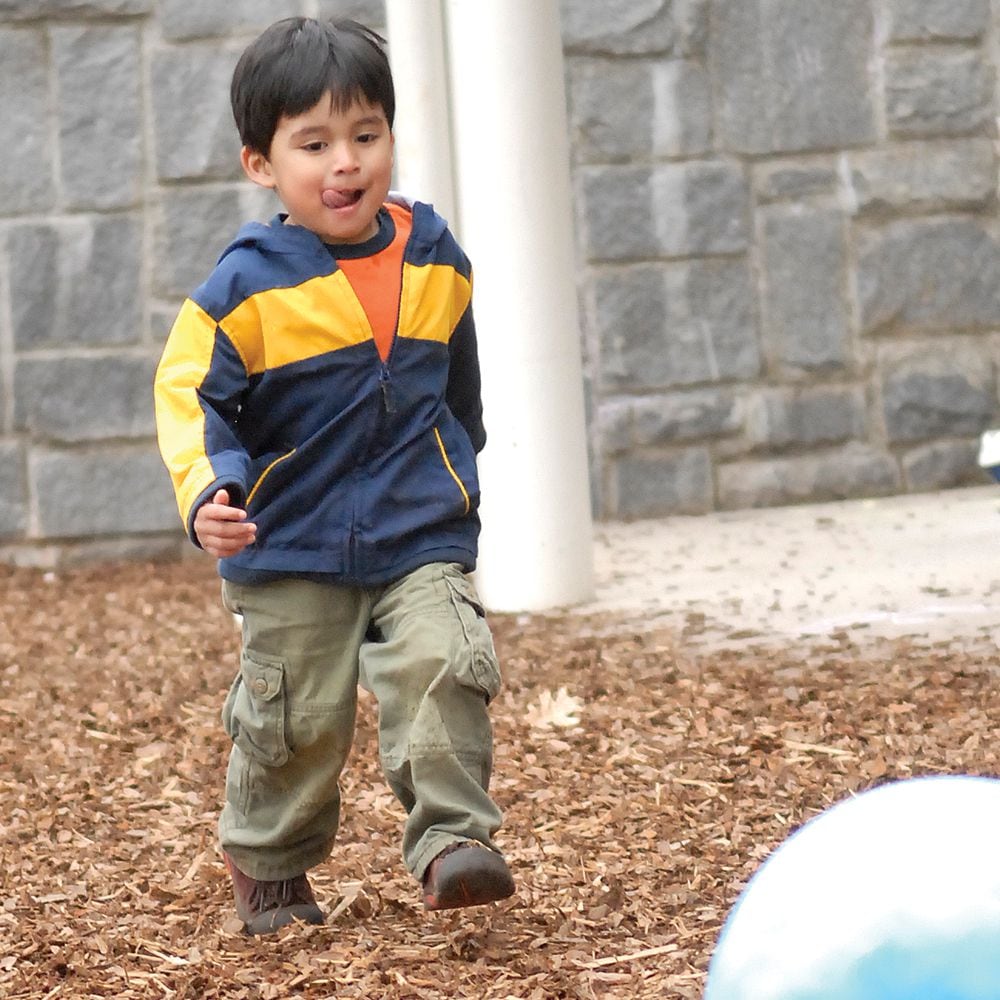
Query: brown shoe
point(265, 906)
point(466, 874)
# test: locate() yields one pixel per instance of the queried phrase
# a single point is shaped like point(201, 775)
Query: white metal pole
point(513, 186)
point(422, 128)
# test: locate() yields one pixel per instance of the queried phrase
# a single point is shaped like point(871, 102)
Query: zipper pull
point(384, 381)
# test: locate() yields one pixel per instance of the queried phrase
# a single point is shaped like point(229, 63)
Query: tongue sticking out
point(340, 199)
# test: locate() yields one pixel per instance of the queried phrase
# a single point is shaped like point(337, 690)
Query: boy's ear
point(256, 166)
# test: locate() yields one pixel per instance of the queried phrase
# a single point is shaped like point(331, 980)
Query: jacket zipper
point(385, 384)
point(388, 401)
point(384, 376)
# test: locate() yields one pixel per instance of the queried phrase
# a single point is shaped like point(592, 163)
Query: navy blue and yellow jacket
point(271, 386)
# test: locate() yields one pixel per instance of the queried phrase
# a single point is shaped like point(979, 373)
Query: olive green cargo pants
point(423, 647)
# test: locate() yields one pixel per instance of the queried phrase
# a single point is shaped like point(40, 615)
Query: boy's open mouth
point(341, 199)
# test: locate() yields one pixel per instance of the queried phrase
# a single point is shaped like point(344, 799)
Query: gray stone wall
point(788, 241)
point(789, 246)
point(121, 184)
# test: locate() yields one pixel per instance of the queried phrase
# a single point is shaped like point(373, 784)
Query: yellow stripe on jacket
point(284, 325)
point(424, 290)
point(180, 420)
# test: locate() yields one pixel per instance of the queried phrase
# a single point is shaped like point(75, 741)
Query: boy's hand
point(221, 529)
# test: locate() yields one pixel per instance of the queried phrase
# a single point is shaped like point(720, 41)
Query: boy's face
point(331, 169)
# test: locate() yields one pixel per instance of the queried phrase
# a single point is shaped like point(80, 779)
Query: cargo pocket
point(479, 669)
point(254, 712)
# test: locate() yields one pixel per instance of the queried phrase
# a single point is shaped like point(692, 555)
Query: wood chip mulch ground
point(643, 782)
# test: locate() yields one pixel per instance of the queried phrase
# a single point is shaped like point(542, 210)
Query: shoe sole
point(274, 920)
point(461, 880)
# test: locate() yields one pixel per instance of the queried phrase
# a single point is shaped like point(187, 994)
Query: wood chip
point(631, 832)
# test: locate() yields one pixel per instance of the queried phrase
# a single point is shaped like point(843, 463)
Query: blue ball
point(891, 895)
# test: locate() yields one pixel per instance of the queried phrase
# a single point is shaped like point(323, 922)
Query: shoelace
point(282, 892)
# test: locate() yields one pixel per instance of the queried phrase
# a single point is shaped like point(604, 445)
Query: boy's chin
point(352, 234)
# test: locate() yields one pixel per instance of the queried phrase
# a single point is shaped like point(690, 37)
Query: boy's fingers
point(224, 513)
point(222, 529)
point(227, 539)
point(222, 510)
point(221, 499)
point(230, 529)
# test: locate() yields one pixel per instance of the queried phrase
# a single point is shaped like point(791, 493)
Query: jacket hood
point(276, 237)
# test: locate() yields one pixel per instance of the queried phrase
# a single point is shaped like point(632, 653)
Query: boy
point(318, 407)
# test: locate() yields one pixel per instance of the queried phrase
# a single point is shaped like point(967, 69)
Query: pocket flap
point(262, 679)
point(466, 592)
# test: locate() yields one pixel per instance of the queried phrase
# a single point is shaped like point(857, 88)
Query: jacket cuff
point(237, 498)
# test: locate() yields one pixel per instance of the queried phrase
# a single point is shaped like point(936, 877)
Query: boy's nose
point(345, 159)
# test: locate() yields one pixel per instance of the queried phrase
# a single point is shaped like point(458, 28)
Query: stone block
point(368, 12)
point(656, 486)
point(793, 75)
point(181, 20)
point(194, 226)
point(635, 27)
point(74, 399)
point(935, 20)
point(685, 416)
point(942, 465)
point(195, 133)
point(806, 325)
point(670, 210)
point(76, 282)
point(92, 492)
point(925, 176)
point(915, 274)
point(941, 389)
point(804, 418)
point(613, 425)
point(933, 91)
point(783, 180)
point(855, 470)
point(29, 170)
point(161, 319)
point(671, 325)
point(652, 421)
point(34, 10)
point(638, 108)
point(13, 491)
point(100, 87)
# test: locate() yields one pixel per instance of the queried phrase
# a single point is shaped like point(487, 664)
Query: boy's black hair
point(297, 61)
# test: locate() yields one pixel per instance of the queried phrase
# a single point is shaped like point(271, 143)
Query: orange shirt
point(377, 281)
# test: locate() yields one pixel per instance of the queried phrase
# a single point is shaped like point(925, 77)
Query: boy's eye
point(367, 137)
point(315, 147)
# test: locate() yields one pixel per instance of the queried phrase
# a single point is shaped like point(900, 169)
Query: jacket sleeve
point(200, 381)
point(464, 391)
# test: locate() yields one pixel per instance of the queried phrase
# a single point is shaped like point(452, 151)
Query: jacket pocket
point(480, 669)
point(451, 471)
point(268, 469)
point(254, 712)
